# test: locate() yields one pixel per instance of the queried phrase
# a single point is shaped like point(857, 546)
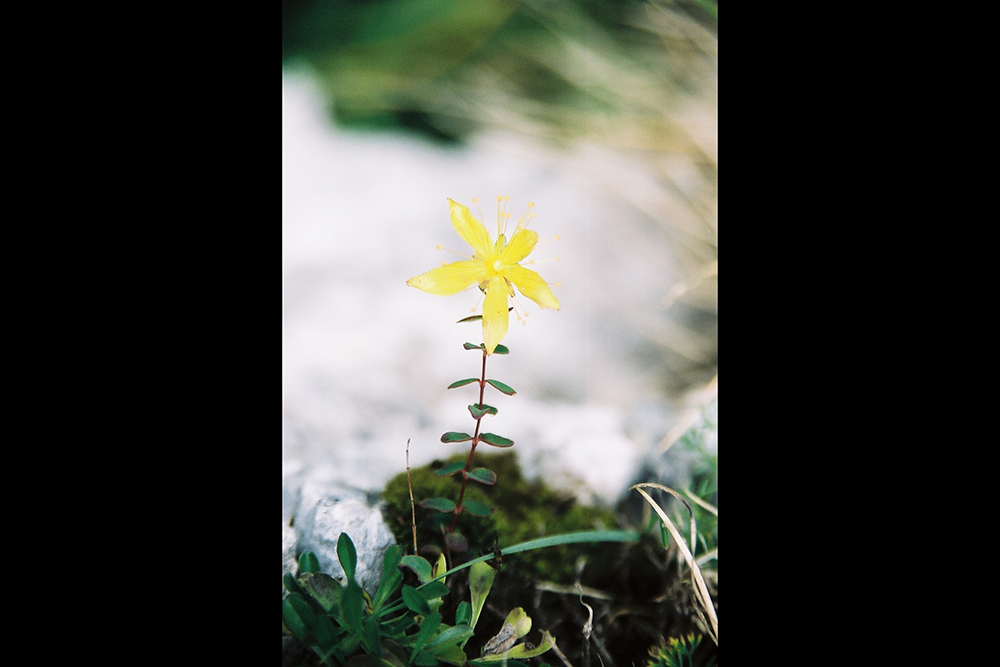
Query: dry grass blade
point(701, 589)
point(701, 503)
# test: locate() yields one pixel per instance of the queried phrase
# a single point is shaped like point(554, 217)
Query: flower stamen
point(440, 247)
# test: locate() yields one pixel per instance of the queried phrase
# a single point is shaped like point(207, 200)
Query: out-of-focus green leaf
point(476, 508)
point(438, 504)
point(457, 542)
point(450, 469)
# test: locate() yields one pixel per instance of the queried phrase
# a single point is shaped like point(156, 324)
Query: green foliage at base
point(677, 652)
point(525, 510)
point(345, 626)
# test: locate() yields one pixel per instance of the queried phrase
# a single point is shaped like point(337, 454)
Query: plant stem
point(472, 450)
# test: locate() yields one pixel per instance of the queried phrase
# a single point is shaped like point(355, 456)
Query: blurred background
point(602, 113)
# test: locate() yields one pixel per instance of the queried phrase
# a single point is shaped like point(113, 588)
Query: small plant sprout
point(495, 268)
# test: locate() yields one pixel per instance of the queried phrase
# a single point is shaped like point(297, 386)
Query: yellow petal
point(450, 279)
point(521, 244)
point(470, 229)
point(494, 314)
point(532, 286)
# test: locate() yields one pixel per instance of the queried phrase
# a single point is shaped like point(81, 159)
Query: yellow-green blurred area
point(559, 68)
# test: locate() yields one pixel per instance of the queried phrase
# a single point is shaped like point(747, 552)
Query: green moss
point(524, 510)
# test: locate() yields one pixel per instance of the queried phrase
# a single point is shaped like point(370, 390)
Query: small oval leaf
point(417, 602)
point(476, 508)
point(450, 469)
point(420, 567)
point(456, 542)
point(298, 616)
point(501, 386)
point(434, 590)
point(462, 383)
point(470, 346)
point(347, 555)
point(308, 562)
point(478, 412)
point(455, 436)
point(323, 588)
point(495, 440)
point(483, 476)
point(438, 504)
point(501, 349)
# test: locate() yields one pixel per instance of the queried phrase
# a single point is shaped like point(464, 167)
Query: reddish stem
point(472, 451)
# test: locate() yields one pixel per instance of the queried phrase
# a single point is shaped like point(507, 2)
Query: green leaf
point(470, 346)
point(455, 634)
point(325, 634)
point(480, 582)
point(391, 576)
point(420, 567)
point(438, 504)
point(413, 600)
point(308, 562)
point(462, 383)
point(450, 653)
point(483, 476)
point(476, 508)
point(476, 318)
point(430, 625)
point(292, 586)
point(434, 590)
point(463, 615)
point(454, 436)
point(423, 659)
point(450, 469)
point(353, 606)
point(478, 413)
point(495, 440)
point(347, 555)
point(323, 588)
point(398, 625)
point(298, 616)
point(502, 387)
point(501, 349)
point(370, 635)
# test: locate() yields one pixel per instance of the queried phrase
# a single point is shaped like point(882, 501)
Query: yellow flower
point(494, 267)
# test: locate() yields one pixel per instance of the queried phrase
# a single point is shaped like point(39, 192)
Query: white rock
point(319, 528)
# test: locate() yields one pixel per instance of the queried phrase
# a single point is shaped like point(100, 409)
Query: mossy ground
point(648, 599)
point(524, 510)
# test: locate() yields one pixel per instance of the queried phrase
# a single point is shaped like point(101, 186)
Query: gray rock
point(319, 528)
point(288, 563)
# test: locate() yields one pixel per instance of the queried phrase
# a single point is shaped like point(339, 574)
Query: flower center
point(497, 266)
